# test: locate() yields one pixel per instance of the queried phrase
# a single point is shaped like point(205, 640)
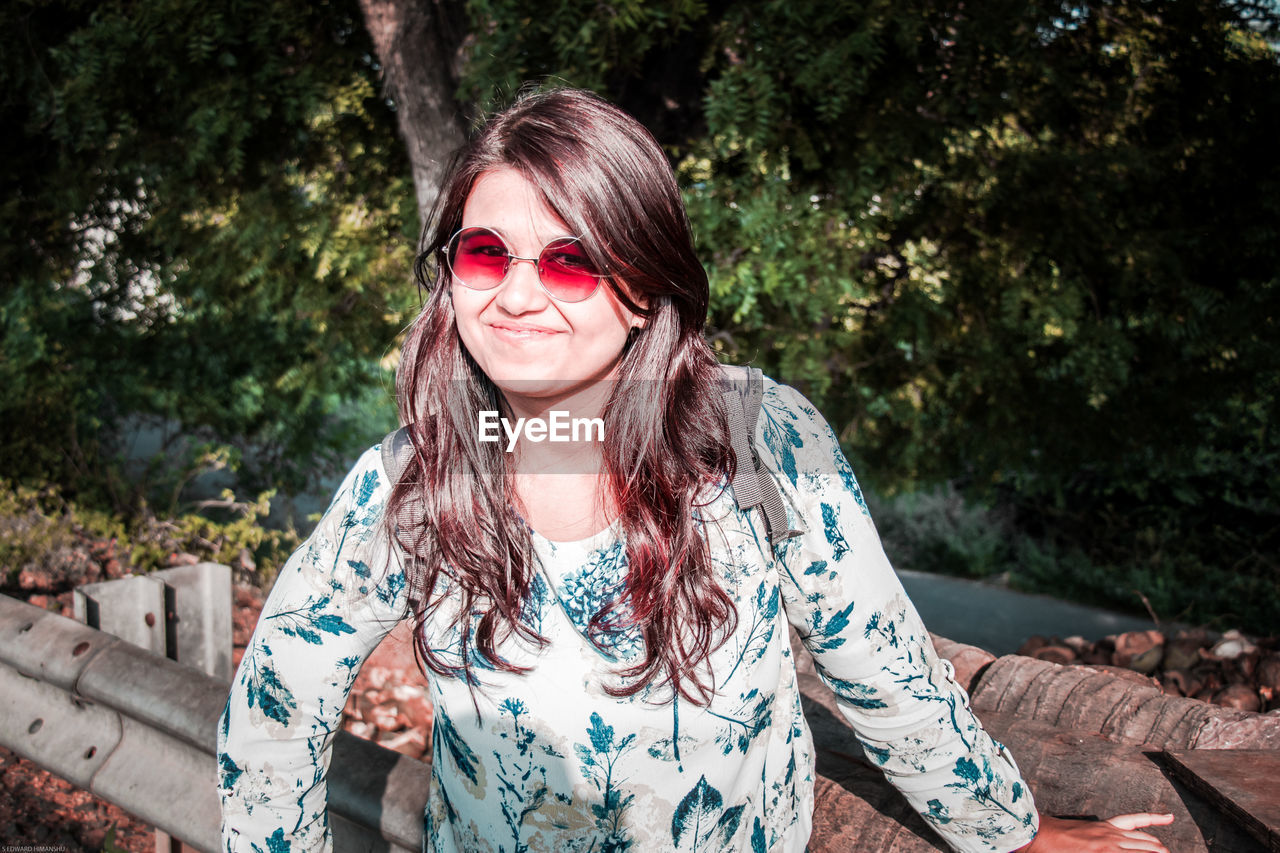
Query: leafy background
point(1022, 255)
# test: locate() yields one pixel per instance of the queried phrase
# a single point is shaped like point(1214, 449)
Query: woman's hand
point(1057, 835)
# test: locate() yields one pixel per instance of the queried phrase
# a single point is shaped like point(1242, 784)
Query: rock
point(1247, 663)
point(247, 595)
point(1232, 645)
point(1253, 731)
point(1056, 654)
point(1238, 696)
point(968, 662)
point(415, 705)
point(1182, 653)
point(1077, 644)
point(1099, 653)
point(361, 729)
point(376, 676)
point(412, 743)
point(31, 580)
point(383, 718)
point(1177, 682)
point(183, 559)
point(1140, 651)
point(1268, 672)
point(1033, 643)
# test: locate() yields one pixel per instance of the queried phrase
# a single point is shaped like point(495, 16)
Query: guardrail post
point(198, 617)
point(183, 613)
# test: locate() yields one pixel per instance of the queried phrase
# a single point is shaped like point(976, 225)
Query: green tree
point(1029, 247)
point(205, 218)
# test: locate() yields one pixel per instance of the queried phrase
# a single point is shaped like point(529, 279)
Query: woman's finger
point(1133, 821)
point(1134, 835)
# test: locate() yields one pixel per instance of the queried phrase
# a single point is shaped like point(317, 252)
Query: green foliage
point(1178, 587)
point(938, 531)
point(205, 218)
point(1029, 248)
point(597, 47)
point(41, 531)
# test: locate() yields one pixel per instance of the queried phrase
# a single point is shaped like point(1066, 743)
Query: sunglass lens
point(567, 272)
point(479, 259)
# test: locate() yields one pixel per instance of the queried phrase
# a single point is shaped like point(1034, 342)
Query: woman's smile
point(521, 333)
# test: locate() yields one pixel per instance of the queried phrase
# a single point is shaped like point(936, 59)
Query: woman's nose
point(521, 292)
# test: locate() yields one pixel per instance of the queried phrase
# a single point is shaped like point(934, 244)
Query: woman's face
point(525, 341)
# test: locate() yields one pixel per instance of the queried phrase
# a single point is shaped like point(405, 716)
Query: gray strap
point(746, 480)
point(753, 485)
point(397, 450)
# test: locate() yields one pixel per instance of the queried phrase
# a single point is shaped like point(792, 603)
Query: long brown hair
point(603, 174)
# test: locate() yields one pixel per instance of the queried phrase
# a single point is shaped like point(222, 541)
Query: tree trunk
point(1085, 699)
point(417, 43)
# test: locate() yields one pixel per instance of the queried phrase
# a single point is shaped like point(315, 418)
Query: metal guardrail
point(140, 730)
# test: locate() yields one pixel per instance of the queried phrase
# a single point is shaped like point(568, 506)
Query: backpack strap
point(397, 450)
point(753, 485)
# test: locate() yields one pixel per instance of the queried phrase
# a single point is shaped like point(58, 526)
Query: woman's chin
point(527, 384)
point(542, 387)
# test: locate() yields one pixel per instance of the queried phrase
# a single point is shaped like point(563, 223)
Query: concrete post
point(183, 613)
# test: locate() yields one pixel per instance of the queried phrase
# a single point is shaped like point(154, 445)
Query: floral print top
point(548, 760)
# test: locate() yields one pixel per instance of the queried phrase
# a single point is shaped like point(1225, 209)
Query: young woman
point(603, 629)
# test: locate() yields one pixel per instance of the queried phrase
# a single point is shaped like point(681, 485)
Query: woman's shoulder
point(789, 420)
point(785, 401)
point(364, 488)
point(800, 445)
point(369, 473)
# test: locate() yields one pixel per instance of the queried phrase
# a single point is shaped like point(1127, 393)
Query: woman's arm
point(334, 600)
point(872, 650)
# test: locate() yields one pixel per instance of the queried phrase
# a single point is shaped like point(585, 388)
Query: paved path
point(1000, 620)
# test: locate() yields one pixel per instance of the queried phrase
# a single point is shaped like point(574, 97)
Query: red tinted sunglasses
point(480, 259)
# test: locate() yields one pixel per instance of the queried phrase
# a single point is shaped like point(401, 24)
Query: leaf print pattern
point(599, 759)
point(586, 592)
point(701, 822)
point(310, 620)
point(782, 439)
point(753, 716)
point(464, 760)
point(764, 617)
point(522, 781)
point(701, 806)
point(549, 760)
point(983, 787)
point(826, 631)
point(831, 528)
point(266, 692)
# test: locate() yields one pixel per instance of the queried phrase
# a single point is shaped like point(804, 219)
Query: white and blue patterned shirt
point(552, 761)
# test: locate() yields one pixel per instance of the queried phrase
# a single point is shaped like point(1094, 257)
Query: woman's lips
point(517, 333)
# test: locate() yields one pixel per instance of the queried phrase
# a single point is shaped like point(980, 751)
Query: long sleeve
point(872, 650)
point(334, 600)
